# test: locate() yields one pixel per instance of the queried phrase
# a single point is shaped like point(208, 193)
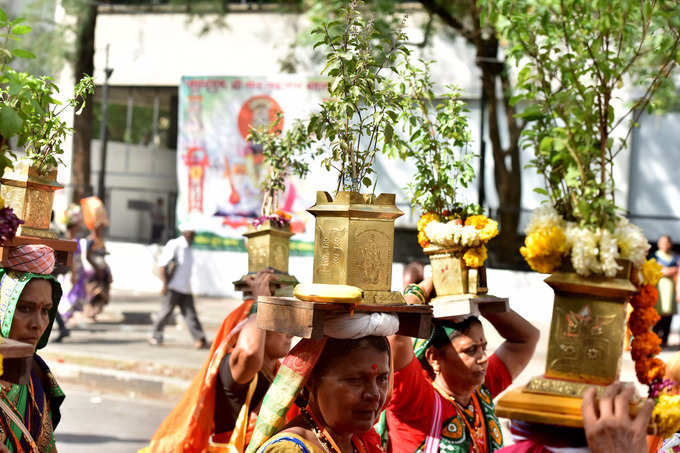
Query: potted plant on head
point(30, 121)
point(30, 113)
point(575, 57)
point(268, 238)
point(453, 233)
point(354, 235)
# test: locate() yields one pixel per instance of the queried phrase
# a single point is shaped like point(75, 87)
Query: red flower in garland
point(646, 297)
point(650, 370)
point(645, 345)
point(642, 319)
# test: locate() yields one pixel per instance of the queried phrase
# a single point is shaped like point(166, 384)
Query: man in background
point(176, 263)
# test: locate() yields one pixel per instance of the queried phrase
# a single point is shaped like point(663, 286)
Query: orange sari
point(191, 423)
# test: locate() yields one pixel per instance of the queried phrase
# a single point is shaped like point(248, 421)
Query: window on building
point(138, 115)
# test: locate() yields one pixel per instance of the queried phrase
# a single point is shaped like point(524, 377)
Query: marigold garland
point(427, 218)
point(544, 248)
point(645, 346)
point(550, 240)
point(475, 257)
point(641, 318)
point(468, 237)
point(666, 414)
point(651, 272)
point(645, 343)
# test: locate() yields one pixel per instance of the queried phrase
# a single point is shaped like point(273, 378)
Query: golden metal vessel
point(451, 276)
point(588, 326)
point(354, 243)
point(585, 346)
point(269, 248)
point(31, 195)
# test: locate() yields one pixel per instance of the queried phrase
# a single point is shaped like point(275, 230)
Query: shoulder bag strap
point(17, 421)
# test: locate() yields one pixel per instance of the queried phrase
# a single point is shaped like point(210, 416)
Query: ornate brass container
point(588, 326)
point(268, 246)
point(584, 349)
point(354, 243)
point(451, 276)
point(30, 195)
point(460, 289)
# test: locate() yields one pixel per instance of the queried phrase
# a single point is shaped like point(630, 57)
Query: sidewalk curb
point(123, 382)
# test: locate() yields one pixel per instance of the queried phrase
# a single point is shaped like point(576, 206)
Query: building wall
point(158, 49)
point(139, 174)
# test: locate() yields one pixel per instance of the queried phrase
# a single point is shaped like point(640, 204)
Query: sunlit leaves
point(438, 145)
point(29, 108)
point(575, 58)
point(357, 120)
point(283, 153)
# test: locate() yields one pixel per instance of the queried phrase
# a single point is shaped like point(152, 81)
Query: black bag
point(170, 268)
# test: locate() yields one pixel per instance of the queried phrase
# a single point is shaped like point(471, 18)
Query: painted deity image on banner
point(219, 172)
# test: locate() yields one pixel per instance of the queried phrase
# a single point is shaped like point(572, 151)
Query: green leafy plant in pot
point(354, 236)
point(577, 61)
point(452, 232)
point(268, 238)
point(30, 118)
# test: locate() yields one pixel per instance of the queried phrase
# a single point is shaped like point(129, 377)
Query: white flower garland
point(452, 234)
point(544, 217)
point(595, 251)
point(632, 242)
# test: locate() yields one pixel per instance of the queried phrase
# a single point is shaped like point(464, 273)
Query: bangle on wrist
point(417, 291)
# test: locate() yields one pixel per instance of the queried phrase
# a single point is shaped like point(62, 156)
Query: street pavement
point(114, 354)
point(92, 421)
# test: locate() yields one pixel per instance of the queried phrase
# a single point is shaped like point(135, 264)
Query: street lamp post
point(103, 131)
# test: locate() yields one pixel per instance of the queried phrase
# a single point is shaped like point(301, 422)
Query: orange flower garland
point(646, 344)
point(641, 319)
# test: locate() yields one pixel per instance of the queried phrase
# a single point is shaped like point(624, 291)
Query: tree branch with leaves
point(283, 155)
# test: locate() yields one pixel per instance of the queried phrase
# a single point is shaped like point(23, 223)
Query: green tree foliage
point(576, 56)
point(29, 112)
point(464, 19)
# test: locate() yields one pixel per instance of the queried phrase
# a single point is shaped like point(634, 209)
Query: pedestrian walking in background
point(98, 276)
point(667, 303)
point(157, 221)
point(176, 263)
point(72, 301)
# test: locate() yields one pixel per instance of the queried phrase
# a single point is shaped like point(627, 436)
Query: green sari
point(37, 403)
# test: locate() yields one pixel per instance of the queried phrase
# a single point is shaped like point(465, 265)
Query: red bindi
point(374, 366)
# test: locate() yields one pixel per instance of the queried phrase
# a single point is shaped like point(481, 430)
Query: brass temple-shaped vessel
point(31, 195)
point(354, 243)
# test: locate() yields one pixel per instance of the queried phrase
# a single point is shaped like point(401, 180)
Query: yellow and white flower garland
point(592, 250)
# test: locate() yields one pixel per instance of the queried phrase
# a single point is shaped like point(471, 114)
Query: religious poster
point(219, 172)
